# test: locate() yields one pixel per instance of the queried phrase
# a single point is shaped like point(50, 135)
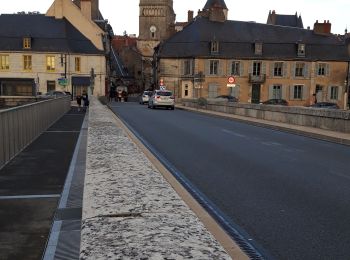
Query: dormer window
point(258, 48)
point(27, 43)
point(214, 47)
point(301, 50)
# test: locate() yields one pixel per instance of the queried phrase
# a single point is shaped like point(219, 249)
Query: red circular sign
point(231, 80)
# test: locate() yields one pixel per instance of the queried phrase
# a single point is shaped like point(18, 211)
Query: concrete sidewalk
point(331, 136)
point(130, 211)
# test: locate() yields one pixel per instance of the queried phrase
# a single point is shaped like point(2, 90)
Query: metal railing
point(21, 125)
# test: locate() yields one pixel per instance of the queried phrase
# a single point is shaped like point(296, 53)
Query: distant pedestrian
point(111, 95)
point(85, 100)
point(79, 102)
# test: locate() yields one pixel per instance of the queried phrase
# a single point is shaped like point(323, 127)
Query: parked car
point(276, 101)
point(227, 98)
point(144, 98)
point(325, 105)
point(162, 98)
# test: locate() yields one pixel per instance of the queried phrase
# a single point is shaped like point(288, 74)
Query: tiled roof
point(48, 34)
point(237, 40)
point(289, 20)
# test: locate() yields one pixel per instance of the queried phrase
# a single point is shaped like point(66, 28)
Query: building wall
point(67, 9)
point(41, 75)
point(171, 70)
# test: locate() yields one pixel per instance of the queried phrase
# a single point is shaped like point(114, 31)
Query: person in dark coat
point(79, 102)
point(85, 100)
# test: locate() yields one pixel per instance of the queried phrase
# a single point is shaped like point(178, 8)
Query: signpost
point(63, 81)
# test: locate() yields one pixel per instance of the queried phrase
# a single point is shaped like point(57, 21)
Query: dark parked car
point(228, 98)
point(276, 101)
point(325, 105)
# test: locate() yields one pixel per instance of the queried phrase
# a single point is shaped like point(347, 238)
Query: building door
point(319, 94)
point(256, 93)
point(213, 91)
point(51, 85)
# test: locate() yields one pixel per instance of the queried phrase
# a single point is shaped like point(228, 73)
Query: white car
point(162, 98)
point(144, 98)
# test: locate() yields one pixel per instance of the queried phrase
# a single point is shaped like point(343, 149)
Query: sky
point(125, 17)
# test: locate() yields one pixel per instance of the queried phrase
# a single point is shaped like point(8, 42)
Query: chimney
point(190, 16)
point(322, 28)
point(85, 6)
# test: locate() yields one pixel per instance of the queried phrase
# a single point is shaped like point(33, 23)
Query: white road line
point(48, 196)
point(233, 133)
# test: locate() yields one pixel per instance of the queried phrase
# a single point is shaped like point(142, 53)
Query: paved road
point(30, 189)
point(291, 194)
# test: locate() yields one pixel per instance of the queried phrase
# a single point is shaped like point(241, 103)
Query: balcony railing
point(257, 78)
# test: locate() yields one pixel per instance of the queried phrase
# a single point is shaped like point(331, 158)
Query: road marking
point(48, 196)
point(62, 131)
point(271, 144)
point(233, 133)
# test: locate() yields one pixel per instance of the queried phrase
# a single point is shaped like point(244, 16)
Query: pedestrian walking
point(85, 100)
point(79, 102)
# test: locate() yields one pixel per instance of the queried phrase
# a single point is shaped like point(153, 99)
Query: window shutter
point(207, 67)
point(270, 91)
point(241, 68)
point(221, 68)
point(284, 91)
point(340, 92)
point(329, 92)
point(250, 69)
point(183, 67)
point(263, 65)
point(292, 74)
point(306, 93)
point(285, 69)
point(272, 66)
point(306, 70)
point(229, 67)
point(328, 72)
point(291, 92)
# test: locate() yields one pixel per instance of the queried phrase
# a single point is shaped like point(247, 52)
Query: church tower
point(156, 23)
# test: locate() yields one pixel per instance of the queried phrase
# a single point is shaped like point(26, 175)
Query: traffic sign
point(162, 88)
point(231, 80)
point(63, 81)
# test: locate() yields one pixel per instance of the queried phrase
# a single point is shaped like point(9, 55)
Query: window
point(27, 43)
point(235, 68)
point(27, 62)
point(278, 69)
point(256, 68)
point(258, 48)
point(214, 47)
point(298, 92)
point(77, 64)
point(299, 69)
point(301, 50)
point(334, 93)
point(4, 62)
point(187, 67)
point(186, 90)
point(214, 67)
point(277, 91)
point(50, 63)
point(322, 69)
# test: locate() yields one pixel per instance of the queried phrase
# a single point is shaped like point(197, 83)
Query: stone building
point(285, 20)
point(266, 61)
point(65, 49)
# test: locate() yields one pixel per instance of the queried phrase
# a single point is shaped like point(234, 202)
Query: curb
point(270, 125)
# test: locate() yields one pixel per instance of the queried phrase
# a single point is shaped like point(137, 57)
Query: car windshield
point(164, 93)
